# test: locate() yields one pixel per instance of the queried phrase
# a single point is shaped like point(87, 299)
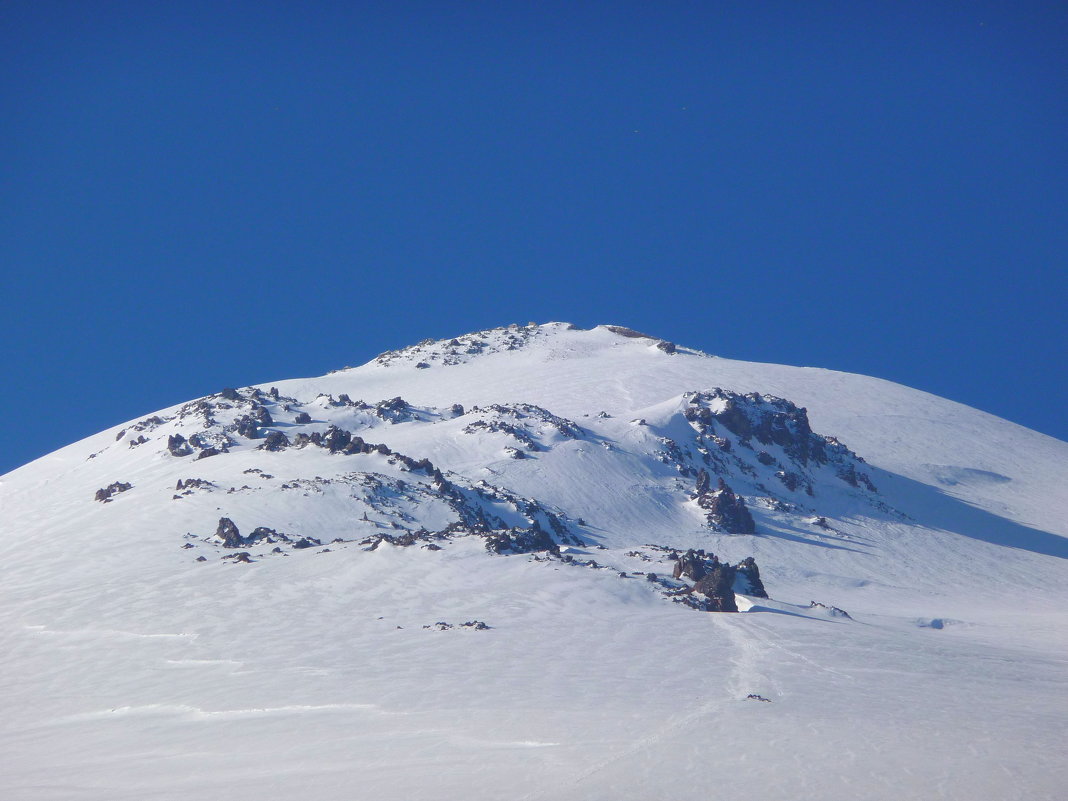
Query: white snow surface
point(134, 671)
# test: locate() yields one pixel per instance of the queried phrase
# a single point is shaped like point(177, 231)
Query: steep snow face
point(483, 566)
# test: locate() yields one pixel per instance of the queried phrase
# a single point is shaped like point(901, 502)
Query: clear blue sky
point(201, 195)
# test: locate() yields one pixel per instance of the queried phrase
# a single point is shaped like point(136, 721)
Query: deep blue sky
point(195, 196)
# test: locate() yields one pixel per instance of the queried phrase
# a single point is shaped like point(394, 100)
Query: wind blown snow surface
point(542, 481)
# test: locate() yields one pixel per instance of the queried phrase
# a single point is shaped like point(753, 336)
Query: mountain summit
point(501, 564)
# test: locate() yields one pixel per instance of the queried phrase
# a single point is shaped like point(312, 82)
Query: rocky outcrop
point(105, 495)
point(474, 625)
point(770, 421)
point(274, 441)
point(833, 611)
point(725, 510)
point(447, 352)
point(794, 481)
point(521, 540)
point(395, 410)
point(693, 565)
point(262, 533)
point(227, 532)
point(704, 483)
point(521, 421)
point(493, 426)
point(177, 445)
point(193, 483)
point(717, 585)
point(717, 581)
point(748, 579)
point(405, 540)
point(623, 331)
point(245, 426)
point(776, 423)
point(854, 478)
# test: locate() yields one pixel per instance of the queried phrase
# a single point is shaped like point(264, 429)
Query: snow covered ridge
point(400, 581)
point(459, 350)
point(763, 445)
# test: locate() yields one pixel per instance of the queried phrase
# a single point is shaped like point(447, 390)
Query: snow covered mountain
point(502, 566)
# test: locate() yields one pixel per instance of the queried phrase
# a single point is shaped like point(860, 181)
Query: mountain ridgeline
point(720, 456)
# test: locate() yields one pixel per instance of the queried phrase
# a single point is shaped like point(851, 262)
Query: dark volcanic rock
point(627, 332)
point(772, 421)
point(394, 410)
point(302, 418)
point(228, 533)
point(718, 587)
point(716, 580)
point(748, 571)
point(833, 610)
point(703, 482)
point(193, 483)
point(521, 540)
point(245, 425)
point(851, 476)
point(262, 416)
point(263, 533)
point(104, 495)
point(275, 441)
point(335, 439)
point(208, 452)
point(177, 446)
point(726, 510)
point(691, 565)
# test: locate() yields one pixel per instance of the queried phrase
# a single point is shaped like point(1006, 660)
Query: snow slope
point(135, 670)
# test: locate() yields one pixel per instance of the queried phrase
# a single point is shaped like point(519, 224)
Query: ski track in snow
point(195, 713)
point(110, 633)
point(747, 658)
